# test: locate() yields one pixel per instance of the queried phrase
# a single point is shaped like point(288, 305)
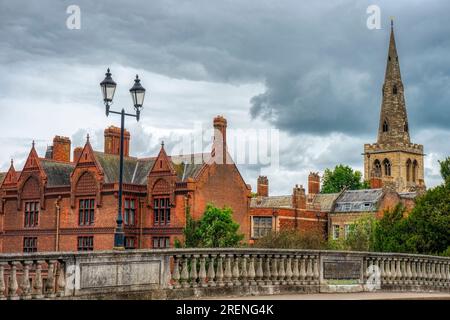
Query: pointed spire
point(32, 144)
point(87, 138)
point(162, 144)
point(393, 125)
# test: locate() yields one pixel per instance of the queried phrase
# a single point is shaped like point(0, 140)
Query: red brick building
point(56, 203)
point(297, 211)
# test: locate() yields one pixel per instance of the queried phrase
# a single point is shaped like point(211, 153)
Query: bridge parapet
point(180, 273)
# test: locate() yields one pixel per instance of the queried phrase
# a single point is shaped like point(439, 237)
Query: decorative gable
point(162, 177)
point(10, 180)
point(87, 178)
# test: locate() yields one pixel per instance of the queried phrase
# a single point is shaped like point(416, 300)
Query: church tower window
point(415, 166)
point(377, 166)
point(408, 170)
point(387, 167)
point(394, 89)
point(385, 126)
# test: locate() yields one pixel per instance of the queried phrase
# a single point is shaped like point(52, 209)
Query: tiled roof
point(365, 200)
point(58, 173)
point(271, 202)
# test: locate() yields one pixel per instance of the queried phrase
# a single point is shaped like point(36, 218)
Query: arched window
point(394, 89)
point(408, 170)
point(377, 167)
point(387, 167)
point(385, 126)
point(415, 166)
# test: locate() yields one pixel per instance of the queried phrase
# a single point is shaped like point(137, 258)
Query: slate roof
point(135, 171)
point(58, 173)
point(325, 201)
point(271, 202)
point(408, 195)
point(365, 200)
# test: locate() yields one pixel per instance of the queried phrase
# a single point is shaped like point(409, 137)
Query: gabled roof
point(58, 173)
point(365, 200)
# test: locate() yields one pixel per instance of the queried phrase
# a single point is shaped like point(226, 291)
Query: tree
point(445, 170)
point(342, 176)
point(292, 239)
point(215, 229)
point(391, 232)
point(361, 234)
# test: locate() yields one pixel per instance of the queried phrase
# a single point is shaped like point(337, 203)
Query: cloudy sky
point(310, 70)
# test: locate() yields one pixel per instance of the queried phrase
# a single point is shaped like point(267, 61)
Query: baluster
point(193, 274)
point(289, 272)
point(252, 272)
point(61, 280)
point(387, 266)
point(267, 275)
point(274, 270)
point(402, 273)
point(409, 279)
point(25, 285)
point(211, 273)
point(296, 272)
point(281, 272)
point(303, 270)
point(259, 271)
point(426, 275)
point(13, 286)
point(38, 285)
point(366, 263)
point(50, 283)
point(228, 274)
point(309, 270)
point(2, 280)
point(202, 272)
point(447, 274)
point(316, 270)
point(439, 274)
point(393, 270)
point(176, 272)
point(236, 281)
point(433, 273)
point(185, 272)
point(414, 272)
point(219, 272)
point(244, 275)
point(382, 271)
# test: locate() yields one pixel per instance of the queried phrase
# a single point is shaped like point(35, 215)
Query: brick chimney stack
point(220, 139)
point(299, 197)
point(263, 186)
point(112, 141)
point(61, 149)
point(313, 183)
point(77, 153)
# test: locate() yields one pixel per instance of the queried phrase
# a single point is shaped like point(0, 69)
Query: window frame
point(31, 217)
point(84, 245)
point(165, 240)
point(260, 228)
point(27, 247)
point(161, 213)
point(336, 227)
point(129, 211)
point(90, 211)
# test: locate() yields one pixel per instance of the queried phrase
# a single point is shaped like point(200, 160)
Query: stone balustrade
point(177, 273)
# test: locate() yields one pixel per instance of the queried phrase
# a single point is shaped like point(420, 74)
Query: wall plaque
point(342, 270)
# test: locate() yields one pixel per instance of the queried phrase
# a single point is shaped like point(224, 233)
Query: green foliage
point(342, 176)
point(215, 229)
point(445, 170)
point(429, 221)
point(391, 232)
point(253, 194)
point(361, 235)
point(292, 239)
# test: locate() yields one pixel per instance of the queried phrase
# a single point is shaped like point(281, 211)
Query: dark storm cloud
point(322, 67)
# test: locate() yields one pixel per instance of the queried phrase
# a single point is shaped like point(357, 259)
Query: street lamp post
point(108, 87)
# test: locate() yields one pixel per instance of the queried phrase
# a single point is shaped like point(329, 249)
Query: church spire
point(393, 127)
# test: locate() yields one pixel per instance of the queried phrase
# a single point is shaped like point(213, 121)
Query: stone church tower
point(393, 159)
